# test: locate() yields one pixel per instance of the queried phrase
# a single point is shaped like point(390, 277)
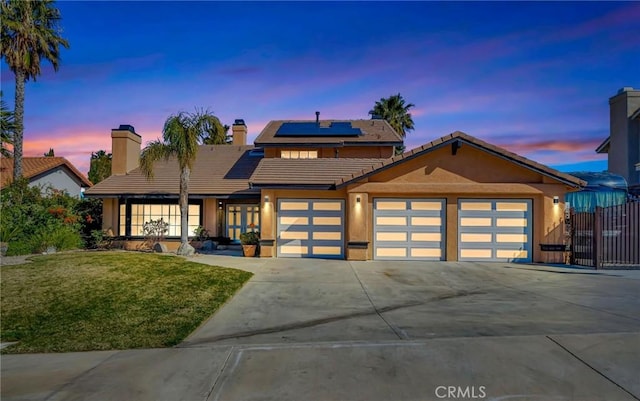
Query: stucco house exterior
point(55, 172)
point(334, 189)
point(623, 144)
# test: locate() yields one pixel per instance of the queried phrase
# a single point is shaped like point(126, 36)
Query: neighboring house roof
point(34, 167)
point(604, 146)
point(275, 172)
point(218, 170)
point(472, 141)
point(373, 133)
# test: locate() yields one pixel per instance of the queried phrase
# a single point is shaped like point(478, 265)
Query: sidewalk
point(568, 367)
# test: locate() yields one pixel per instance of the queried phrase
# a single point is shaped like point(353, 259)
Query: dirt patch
point(14, 260)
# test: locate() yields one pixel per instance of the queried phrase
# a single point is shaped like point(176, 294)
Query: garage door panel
point(495, 230)
point(435, 236)
point(408, 229)
point(310, 228)
point(392, 236)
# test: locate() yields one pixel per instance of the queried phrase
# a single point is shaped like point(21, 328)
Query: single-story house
point(334, 189)
point(44, 172)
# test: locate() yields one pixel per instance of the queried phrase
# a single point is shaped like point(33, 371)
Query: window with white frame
point(299, 154)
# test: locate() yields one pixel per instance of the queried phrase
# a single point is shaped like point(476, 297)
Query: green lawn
point(85, 301)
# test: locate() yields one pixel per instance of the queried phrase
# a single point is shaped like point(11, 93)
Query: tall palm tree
point(29, 33)
point(396, 112)
point(181, 136)
point(7, 128)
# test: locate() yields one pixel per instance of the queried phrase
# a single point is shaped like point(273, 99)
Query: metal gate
point(608, 237)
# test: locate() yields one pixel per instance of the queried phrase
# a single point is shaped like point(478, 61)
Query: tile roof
point(35, 166)
point(447, 139)
point(218, 170)
point(374, 132)
point(275, 172)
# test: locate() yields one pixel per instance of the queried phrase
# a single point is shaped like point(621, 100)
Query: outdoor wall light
point(556, 200)
point(220, 205)
point(266, 199)
point(357, 199)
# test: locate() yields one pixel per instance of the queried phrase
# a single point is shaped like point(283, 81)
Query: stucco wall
point(59, 178)
point(471, 173)
point(110, 215)
point(624, 150)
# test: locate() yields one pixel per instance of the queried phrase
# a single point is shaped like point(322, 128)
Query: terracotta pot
point(249, 250)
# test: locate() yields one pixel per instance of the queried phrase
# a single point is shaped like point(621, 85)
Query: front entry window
point(242, 218)
point(140, 213)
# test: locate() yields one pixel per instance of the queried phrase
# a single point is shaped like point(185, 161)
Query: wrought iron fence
point(606, 238)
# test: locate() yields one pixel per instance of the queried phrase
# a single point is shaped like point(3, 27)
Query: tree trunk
point(19, 122)
point(184, 210)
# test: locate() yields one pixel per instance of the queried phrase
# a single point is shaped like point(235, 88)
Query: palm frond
point(211, 130)
point(394, 110)
point(154, 151)
point(30, 33)
point(180, 134)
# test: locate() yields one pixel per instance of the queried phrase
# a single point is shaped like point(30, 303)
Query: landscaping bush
point(33, 220)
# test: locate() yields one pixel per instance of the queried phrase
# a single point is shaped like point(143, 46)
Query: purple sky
point(534, 78)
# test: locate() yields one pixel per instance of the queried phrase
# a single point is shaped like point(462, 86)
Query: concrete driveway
point(336, 330)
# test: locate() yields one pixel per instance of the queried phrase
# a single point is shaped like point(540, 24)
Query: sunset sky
point(534, 78)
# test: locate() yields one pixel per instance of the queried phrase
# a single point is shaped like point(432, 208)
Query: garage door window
point(408, 229)
point(310, 228)
point(494, 230)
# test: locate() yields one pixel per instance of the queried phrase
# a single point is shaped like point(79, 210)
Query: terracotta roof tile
point(218, 170)
point(374, 132)
point(307, 172)
point(34, 166)
point(540, 168)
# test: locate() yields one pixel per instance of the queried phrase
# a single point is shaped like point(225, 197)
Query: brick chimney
point(239, 132)
point(125, 149)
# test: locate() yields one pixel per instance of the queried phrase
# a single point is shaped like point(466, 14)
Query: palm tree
point(7, 128)
point(181, 136)
point(29, 33)
point(217, 133)
point(396, 112)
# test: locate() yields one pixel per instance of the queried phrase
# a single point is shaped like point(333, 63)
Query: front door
point(242, 218)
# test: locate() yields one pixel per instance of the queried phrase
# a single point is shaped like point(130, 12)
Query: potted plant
point(249, 241)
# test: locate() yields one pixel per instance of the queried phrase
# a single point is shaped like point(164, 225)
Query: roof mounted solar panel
point(310, 129)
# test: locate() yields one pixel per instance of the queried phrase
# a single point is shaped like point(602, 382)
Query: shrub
point(19, 248)
point(90, 218)
point(201, 233)
point(34, 219)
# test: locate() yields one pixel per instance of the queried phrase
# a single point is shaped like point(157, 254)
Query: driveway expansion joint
point(401, 334)
point(591, 367)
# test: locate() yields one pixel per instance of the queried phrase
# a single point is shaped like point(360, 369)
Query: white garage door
point(310, 228)
point(497, 230)
point(408, 229)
